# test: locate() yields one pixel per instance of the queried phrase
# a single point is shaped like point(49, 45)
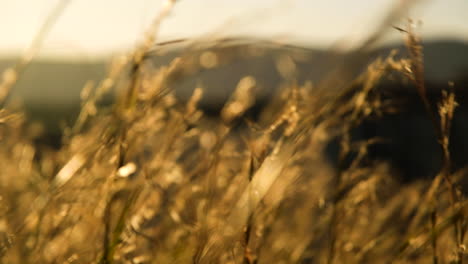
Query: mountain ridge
point(50, 85)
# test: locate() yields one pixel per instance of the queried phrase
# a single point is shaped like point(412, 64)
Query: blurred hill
point(444, 60)
point(50, 89)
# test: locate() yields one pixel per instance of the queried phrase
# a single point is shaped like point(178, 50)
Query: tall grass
point(153, 180)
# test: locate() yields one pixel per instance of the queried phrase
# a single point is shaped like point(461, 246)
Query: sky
point(93, 28)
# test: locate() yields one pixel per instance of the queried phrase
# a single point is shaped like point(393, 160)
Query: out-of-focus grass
point(152, 180)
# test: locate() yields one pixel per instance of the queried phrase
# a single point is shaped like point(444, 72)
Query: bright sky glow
point(90, 28)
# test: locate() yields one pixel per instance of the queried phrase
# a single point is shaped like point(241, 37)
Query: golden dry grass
point(153, 180)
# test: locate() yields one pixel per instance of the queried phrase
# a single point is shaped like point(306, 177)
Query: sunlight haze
point(90, 28)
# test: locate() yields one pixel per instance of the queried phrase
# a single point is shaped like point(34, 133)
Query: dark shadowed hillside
point(57, 85)
point(50, 91)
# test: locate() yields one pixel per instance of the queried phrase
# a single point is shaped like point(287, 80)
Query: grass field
point(151, 178)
